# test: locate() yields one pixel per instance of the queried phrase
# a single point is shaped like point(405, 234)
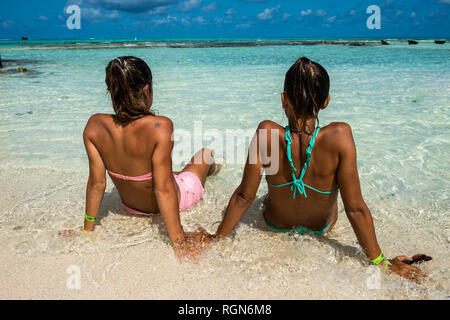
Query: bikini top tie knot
point(299, 186)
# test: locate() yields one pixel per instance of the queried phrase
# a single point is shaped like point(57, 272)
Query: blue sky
point(46, 19)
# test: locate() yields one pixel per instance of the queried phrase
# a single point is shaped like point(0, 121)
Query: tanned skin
point(145, 145)
point(333, 165)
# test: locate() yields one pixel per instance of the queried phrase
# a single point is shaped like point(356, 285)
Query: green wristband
point(91, 219)
point(380, 259)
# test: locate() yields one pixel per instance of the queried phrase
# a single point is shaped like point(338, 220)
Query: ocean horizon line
point(230, 39)
point(105, 43)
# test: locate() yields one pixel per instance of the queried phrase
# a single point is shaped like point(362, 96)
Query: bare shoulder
point(341, 129)
point(162, 123)
point(337, 134)
point(270, 126)
point(159, 127)
point(97, 118)
point(95, 124)
point(154, 124)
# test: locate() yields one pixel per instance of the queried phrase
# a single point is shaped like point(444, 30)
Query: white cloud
point(42, 18)
point(321, 12)
point(268, 13)
point(199, 20)
point(210, 8)
point(413, 14)
point(170, 19)
point(189, 5)
point(286, 17)
point(159, 11)
point(306, 13)
point(231, 12)
point(96, 15)
point(352, 12)
point(187, 21)
point(91, 13)
point(331, 19)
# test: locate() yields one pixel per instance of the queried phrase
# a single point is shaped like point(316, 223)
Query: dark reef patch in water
point(19, 71)
point(24, 113)
point(18, 62)
point(19, 66)
point(194, 44)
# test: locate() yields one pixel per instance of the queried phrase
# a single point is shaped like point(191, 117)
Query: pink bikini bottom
point(191, 190)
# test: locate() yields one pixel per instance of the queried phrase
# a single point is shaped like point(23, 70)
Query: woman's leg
point(202, 165)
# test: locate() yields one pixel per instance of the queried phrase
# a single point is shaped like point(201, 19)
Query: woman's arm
point(245, 194)
point(96, 185)
point(356, 209)
point(164, 184)
point(184, 244)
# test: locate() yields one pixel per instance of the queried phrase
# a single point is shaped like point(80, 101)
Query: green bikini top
point(298, 184)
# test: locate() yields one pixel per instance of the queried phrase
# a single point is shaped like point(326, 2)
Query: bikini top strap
point(288, 148)
point(308, 150)
point(311, 146)
point(298, 184)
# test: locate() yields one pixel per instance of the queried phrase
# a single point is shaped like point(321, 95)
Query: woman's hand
point(69, 233)
point(192, 244)
point(401, 265)
point(200, 235)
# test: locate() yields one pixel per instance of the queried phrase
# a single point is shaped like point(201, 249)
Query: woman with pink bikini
point(134, 146)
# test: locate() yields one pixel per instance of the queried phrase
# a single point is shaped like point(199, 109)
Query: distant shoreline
point(191, 43)
point(224, 39)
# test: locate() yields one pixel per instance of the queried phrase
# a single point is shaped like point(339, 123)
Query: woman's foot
point(203, 165)
point(214, 169)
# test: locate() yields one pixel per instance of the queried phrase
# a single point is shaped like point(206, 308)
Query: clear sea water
point(396, 98)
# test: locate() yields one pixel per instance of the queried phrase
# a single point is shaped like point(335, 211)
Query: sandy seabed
point(130, 257)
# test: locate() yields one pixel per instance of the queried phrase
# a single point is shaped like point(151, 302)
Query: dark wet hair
point(125, 78)
point(307, 86)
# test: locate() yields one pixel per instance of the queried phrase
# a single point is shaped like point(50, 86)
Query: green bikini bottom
point(299, 230)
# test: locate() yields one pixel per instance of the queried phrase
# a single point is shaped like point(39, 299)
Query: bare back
point(128, 150)
point(316, 210)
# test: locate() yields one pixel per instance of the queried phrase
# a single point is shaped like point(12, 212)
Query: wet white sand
point(130, 257)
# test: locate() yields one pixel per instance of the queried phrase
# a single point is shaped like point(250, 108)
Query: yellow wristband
point(91, 219)
point(380, 259)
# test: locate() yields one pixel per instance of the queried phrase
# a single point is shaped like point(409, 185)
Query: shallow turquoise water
point(396, 98)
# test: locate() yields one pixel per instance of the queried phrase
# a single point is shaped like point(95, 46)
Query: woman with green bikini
point(313, 165)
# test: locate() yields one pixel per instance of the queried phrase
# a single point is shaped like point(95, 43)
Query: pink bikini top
point(145, 177)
